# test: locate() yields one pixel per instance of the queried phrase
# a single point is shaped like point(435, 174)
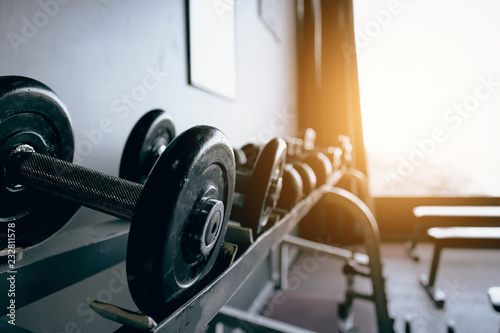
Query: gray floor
point(317, 286)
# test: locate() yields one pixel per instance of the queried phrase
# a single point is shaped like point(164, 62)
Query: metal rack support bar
point(254, 323)
point(65, 259)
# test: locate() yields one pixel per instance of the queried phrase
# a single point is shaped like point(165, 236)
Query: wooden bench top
point(457, 211)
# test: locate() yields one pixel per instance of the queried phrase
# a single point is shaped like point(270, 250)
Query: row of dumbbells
point(307, 167)
point(270, 178)
point(179, 191)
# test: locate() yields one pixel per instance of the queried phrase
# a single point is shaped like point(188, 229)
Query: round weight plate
point(149, 137)
point(30, 113)
point(169, 248)
point(292, 190)
point(240, 157)
point(307, 175)
point(321, 165)
point(265, 186)
point(251, 151)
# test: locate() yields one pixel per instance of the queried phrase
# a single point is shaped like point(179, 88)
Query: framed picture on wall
point(269, 13)
point(212, 46)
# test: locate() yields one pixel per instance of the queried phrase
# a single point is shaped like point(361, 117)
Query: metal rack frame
point(65, 254)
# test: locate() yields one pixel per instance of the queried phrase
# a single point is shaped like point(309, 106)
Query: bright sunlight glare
point(429, 79)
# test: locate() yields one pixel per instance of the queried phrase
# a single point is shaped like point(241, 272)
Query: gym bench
point(450, 216)
point(456, 237)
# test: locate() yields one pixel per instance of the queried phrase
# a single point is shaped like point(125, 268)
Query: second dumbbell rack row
point(108, 241)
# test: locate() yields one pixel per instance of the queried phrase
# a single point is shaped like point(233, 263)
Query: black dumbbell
point(294, 152)
point(179, 216)
point(240, 158)
point(303, 149)
point(321, 165)
point(258, 185)
point(307, 175)
point(250, 151)
point(293, 188)
point(147, 141)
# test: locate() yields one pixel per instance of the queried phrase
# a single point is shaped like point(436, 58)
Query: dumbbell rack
point(64, 256)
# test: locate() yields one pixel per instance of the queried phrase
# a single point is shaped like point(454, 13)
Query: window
point(429, 75)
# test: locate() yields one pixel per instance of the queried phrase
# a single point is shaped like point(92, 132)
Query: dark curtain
point(328, 80)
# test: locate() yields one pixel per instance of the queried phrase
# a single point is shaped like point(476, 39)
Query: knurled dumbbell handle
point(90, 188)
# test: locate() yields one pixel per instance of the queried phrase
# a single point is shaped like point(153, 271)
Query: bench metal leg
point(361, 213)
point(412, 244)
point(437, 295)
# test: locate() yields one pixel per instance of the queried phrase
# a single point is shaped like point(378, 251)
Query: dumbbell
point(307, 175)
point(146, 142)
point(303, 149)
point(293, 188)
point(320, 164)
point(251, 152)
point(179, 217)
point(294, 149)
point(293, 184)
point(240, 159)
point(341, 156)
point(258, 185)
point(298, 159)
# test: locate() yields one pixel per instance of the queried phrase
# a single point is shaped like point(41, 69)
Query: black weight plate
point(265, 186)
point(162, 271)
point(240, 157)
point(251, 151)
point(321, 165)
point(30, 113)
point(292, 190)
point(307, 175)
point(139, 154)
